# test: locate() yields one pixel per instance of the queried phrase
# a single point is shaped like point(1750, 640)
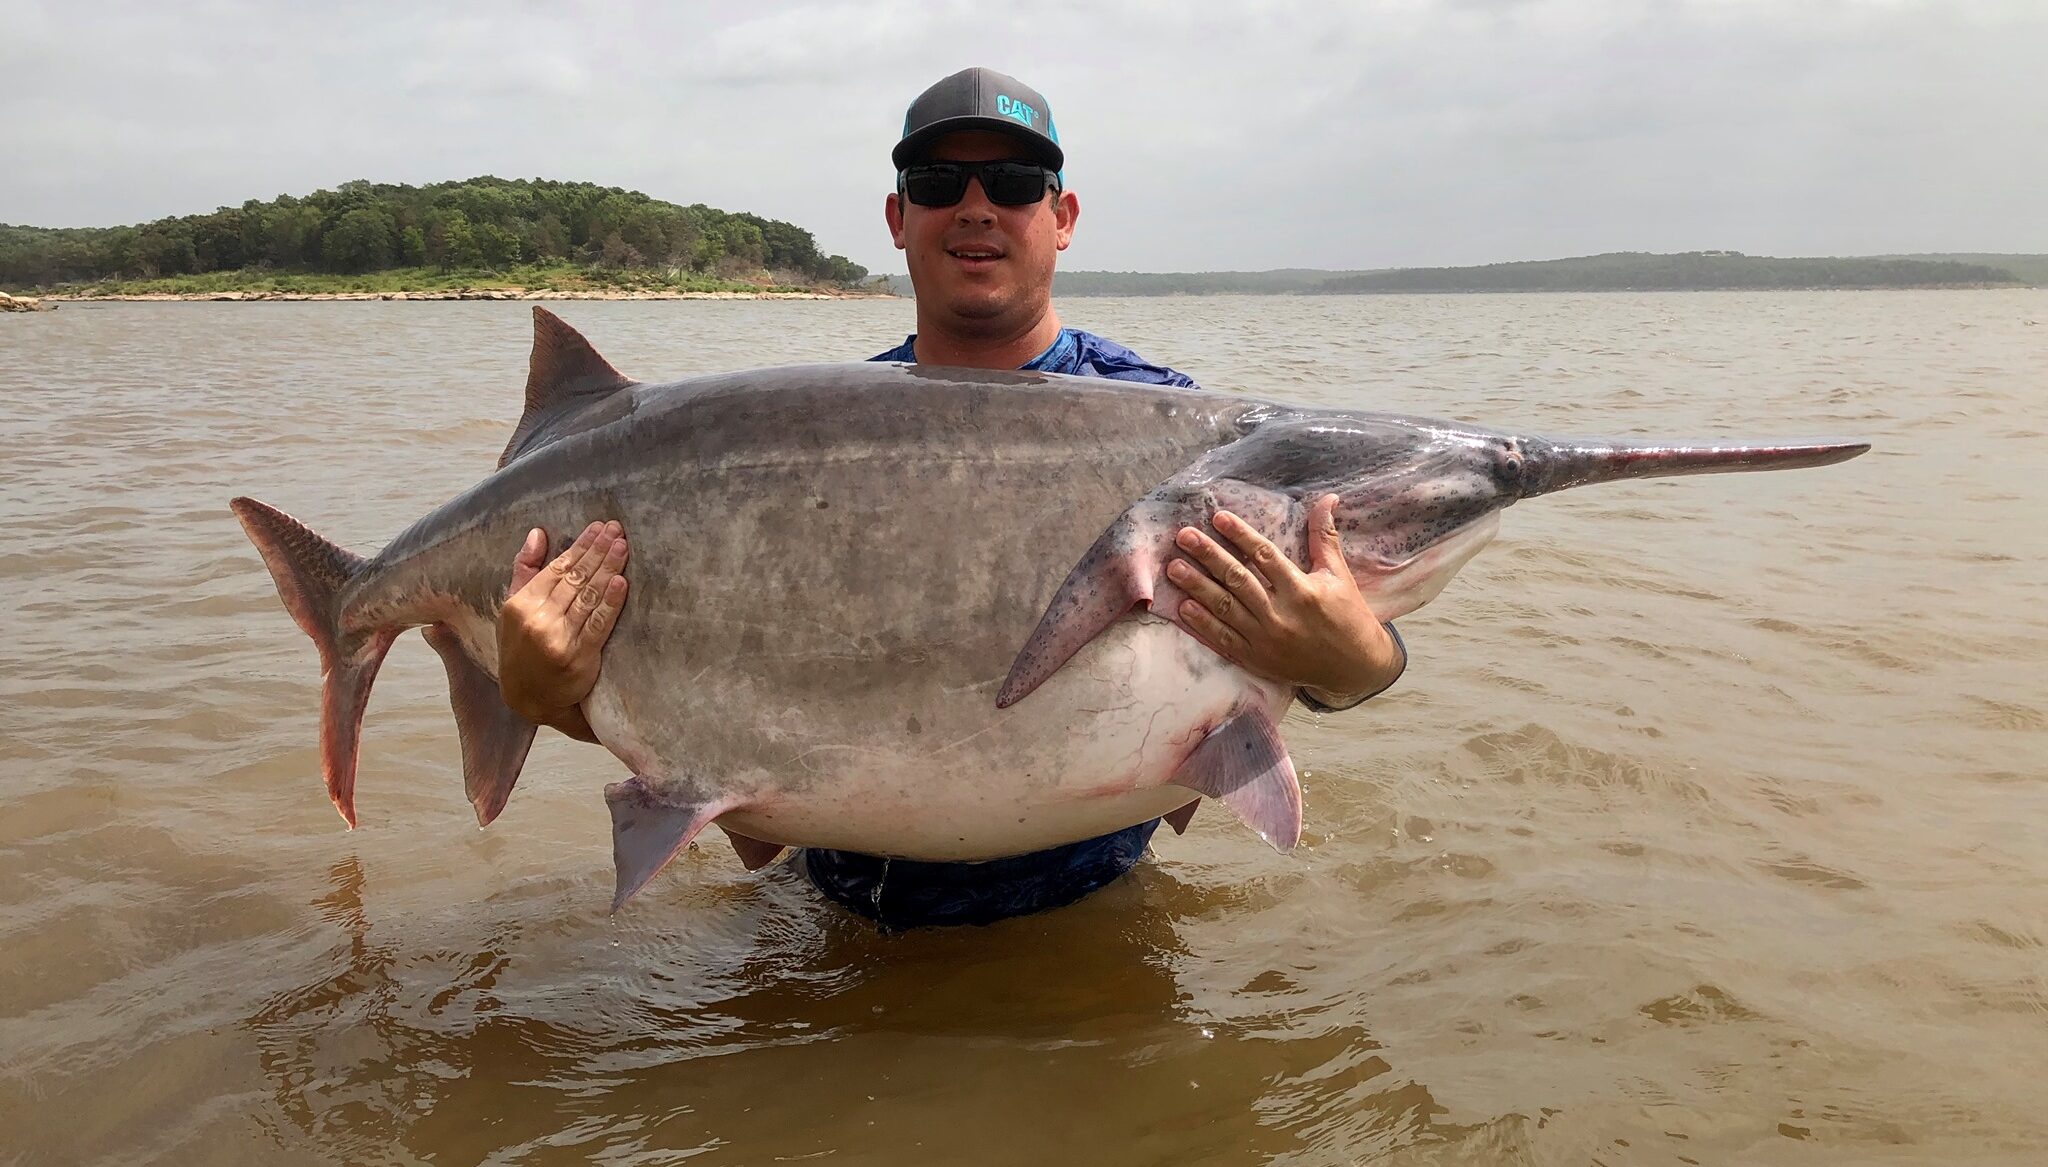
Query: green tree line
point(486, 223)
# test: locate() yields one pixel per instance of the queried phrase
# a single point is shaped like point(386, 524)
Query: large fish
point(905, 610)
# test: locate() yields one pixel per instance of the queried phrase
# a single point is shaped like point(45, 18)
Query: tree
point(616, 252)
point(453, 244)
point(167, 250)
point(359, 242)
point(498, 247)
point(363, 226)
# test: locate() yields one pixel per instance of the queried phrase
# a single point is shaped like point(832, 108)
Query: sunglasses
point(1007, 184)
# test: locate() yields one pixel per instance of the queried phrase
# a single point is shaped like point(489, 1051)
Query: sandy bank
point(469, 294)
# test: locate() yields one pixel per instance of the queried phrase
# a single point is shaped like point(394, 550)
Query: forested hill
point(1683, 272)
point(1620, 271)
point(483, 224)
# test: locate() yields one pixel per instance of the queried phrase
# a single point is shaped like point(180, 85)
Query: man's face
point(986, 269)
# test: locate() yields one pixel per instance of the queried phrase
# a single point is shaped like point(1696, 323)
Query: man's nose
point(974, 206)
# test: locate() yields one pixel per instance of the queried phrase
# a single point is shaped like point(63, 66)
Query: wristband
point(1325, 707)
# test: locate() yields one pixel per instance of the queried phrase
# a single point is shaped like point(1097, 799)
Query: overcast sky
point(1200, 136)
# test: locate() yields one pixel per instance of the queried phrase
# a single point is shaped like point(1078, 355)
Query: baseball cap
point(980, 99)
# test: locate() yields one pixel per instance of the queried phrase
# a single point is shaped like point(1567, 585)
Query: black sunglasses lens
point(1011, 185)
point(1008, 184)
point(934, 186)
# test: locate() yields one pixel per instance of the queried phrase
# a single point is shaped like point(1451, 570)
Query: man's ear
point(1066, 211)
point(892, 210)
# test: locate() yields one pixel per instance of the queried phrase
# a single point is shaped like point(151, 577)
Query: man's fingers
point(532, 554)
point(1211, 595)
point(1258, 551)
point(589, 596)
point(561, 564)
point(1221, 639)
point(589, 552)
point(598, 626)
point(1242, 583)
point(1325, 545)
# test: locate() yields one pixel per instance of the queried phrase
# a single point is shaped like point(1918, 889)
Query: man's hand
point(1312, 629)
point(552, 629)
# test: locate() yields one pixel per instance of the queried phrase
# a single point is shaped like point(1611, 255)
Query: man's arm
point(1312, 629)
point(552, 629)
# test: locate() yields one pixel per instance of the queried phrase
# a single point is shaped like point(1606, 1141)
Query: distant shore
point(265, 296)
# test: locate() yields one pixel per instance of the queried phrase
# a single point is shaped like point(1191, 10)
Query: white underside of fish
point(1093, 751)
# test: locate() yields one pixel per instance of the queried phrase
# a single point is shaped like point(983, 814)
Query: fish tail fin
point(311, 575)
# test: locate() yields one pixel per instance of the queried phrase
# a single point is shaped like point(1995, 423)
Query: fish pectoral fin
point(1125, 569)
point(1106, 585)
point(1244, 763)
point(1179, 819)
point(754, 853)
point(495, 740)
point(650, 828)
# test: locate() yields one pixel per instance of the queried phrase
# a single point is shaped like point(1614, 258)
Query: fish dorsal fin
point(1244, 763)
point(563, 373)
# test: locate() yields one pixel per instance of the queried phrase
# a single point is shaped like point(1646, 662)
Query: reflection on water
point(1706, 826)
point(439, 1051)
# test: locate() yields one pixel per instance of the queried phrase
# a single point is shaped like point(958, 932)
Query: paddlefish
point(907, 610)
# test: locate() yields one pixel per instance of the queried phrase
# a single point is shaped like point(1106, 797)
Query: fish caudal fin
point(311, 574)
point(1244, 763)
point(648, 830)
point(495, 740)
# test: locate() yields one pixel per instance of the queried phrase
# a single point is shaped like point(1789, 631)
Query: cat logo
point(1011, 108)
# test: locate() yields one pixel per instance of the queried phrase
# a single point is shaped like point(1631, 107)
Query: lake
point(1708, 825)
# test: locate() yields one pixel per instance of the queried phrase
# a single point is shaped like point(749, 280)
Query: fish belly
point(1093, 751)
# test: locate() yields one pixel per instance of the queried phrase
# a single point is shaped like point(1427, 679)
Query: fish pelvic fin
point(1244, 763)
point(563, 373)
point(754, 853)
point(311, 576)
point(495, 740)
point(650, 828)
point(1180, 818)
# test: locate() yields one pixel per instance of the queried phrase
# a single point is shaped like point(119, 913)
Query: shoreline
point(448, 294)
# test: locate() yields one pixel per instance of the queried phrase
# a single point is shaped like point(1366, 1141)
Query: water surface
point(1709, 824)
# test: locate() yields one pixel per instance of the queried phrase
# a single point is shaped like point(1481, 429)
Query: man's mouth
point(976, 256)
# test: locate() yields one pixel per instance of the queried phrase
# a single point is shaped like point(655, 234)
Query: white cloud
point(1200, 135)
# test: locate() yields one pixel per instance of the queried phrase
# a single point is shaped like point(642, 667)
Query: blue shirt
point(903, 893)
point(1078, 353)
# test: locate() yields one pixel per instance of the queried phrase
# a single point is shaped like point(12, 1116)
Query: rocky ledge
point(23, 304)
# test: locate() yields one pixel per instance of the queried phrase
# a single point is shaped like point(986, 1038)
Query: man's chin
point(976, 309)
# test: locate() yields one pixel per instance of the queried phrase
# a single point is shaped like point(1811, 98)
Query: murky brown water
point(1710, 823)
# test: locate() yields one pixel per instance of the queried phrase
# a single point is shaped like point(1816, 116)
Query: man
point(981, 211)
